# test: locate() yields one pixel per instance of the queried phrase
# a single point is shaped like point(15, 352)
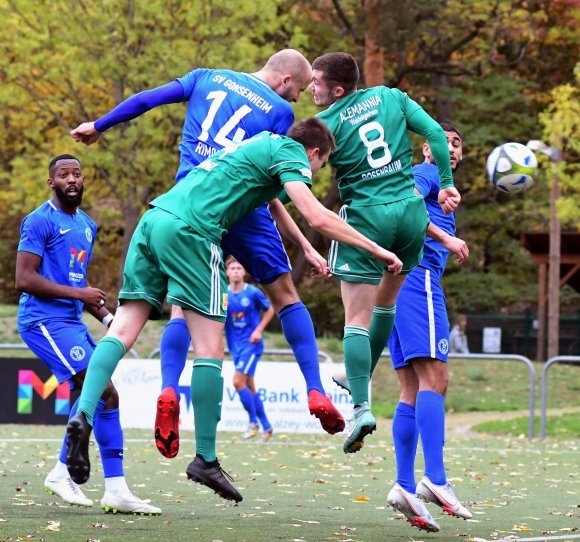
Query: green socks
point(103, 363)
point(357, 359)
point(207, 388)
point(382, 324)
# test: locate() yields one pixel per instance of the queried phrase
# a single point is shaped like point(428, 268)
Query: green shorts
point(399, 227)
point(168, 259)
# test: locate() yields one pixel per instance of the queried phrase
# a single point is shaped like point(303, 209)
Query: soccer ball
point(511, 167)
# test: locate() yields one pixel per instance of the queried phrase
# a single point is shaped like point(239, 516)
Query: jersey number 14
point(221, 138)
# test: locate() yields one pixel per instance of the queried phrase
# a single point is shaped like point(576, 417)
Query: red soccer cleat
point(321, 406)
point(167, 423)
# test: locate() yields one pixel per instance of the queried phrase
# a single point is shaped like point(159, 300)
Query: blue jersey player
point(56, 245)
point(223, 108)
point(419, 346)
point(249, 312)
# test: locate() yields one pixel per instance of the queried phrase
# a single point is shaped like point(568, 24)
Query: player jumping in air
point(191, 219)
point(223, 108)
point(375, 181)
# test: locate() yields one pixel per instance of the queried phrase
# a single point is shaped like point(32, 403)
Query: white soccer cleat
point(442, 496)
point(67, 490)
point(127, 503)
point(412, 508)
point(251, 431)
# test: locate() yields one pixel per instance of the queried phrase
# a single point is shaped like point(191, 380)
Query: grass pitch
point(295, 488)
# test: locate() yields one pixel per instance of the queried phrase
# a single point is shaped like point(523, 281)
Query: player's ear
point(50, 182)
point(338, 91)
point(313, 153)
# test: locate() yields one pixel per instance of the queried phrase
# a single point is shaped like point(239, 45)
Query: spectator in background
point(457, 336)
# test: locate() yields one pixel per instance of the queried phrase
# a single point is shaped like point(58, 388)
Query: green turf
point(563, 426)
point(297, 488)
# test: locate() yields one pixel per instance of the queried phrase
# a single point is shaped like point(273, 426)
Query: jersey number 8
point(373, 145)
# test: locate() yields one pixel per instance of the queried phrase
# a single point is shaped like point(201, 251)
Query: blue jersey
point(427, 182)
point(244, 315)
point(225, 107)
point(64, 243)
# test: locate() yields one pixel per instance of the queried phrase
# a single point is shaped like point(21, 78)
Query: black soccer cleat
point(77, 450)
point(210, 474)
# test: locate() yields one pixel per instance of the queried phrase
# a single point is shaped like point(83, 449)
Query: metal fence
point(547, 365)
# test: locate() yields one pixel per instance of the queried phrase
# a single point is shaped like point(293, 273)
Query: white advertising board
point(281, 385)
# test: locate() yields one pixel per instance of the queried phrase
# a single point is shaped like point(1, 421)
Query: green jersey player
point(375, 180)
point(175, 254)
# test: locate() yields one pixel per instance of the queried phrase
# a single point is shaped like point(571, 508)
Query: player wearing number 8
point(375, 180)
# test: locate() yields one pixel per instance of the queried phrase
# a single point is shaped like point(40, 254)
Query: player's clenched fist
point(86, 133)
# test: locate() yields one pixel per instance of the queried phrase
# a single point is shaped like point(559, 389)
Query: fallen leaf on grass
point(53, 526)
point(362, 498)
point(306, 521)
point(518, 528)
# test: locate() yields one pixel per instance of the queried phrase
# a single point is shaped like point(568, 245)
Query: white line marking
point(540, 538)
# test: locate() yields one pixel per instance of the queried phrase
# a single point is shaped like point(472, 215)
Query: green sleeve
point(421, 123)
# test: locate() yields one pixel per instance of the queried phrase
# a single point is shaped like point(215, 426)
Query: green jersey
point(235, 181)
point(373, 151)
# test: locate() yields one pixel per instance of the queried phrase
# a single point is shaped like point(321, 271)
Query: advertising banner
point(280, 385)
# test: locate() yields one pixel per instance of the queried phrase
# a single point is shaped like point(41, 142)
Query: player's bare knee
point(282, 292)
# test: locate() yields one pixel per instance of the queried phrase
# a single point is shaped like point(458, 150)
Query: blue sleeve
point(34, 233)
point(422, 182)
point(262, 302)
point(141, 103)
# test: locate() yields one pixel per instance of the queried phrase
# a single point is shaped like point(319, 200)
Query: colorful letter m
point(29, 381)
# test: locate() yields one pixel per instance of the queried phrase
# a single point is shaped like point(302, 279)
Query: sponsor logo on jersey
point(306, 173)
point(79, 256)
point(62, 232)
point(225, 302)
point(77, 353)
point(344, 267)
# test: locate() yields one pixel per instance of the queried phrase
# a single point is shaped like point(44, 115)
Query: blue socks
point(175, 341)
point(405, 437)
point(299, 332)
point(261, 413)
point(247, 400)
point(109, 436)
point(430, 415)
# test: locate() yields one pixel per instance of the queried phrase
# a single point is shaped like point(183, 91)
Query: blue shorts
point(255, 242)
point(246, 360)
point(65, 346)
point(421, 323)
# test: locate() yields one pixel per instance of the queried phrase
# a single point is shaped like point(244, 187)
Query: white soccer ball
point(511, 167)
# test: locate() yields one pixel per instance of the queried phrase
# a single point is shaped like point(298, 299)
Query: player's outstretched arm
point(290, 230)
point(131, 108)
point(30, 281)
point(333, 227)
point(452, 244)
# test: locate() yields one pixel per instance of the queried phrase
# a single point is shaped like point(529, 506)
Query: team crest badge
point(77, 353)
point(443, 346)
point(89, 234)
